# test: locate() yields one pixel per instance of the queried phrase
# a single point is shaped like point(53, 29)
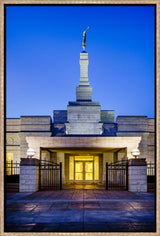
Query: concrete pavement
point(80, 210)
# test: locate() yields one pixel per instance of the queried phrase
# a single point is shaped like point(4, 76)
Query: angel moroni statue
point(84, 39)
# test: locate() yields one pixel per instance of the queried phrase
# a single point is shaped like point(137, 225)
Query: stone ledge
point(137, 162)
point(29, 161)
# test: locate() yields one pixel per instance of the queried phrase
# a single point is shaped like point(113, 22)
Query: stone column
point(137, 175)
point(29, 175)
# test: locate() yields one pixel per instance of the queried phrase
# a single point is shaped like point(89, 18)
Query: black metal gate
point(117, 175)
point(151, 179)
point(12, 176)
point(50, 175)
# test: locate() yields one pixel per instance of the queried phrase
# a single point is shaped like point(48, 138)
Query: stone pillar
point(60, 158)
point(29, 175)
point(137, 175)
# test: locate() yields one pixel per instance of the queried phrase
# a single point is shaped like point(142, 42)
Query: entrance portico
point(83, 158)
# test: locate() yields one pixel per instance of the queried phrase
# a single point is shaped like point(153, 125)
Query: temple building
point(83, 137)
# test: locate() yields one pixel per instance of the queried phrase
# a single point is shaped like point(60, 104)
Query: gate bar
point(60, 175)
point(127, 175)
point(39, 175)
point(106, 175)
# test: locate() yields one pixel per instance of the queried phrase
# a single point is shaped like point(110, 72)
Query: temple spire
point(84, 90)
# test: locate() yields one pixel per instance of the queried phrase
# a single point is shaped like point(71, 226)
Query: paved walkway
point(80, 211)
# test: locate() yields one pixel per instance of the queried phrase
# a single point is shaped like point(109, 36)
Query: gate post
point(106, 175)
point(137, 175)
point(29, 175)
point(60, 175)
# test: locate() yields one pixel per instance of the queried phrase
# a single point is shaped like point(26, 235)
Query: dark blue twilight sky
point(43, 47)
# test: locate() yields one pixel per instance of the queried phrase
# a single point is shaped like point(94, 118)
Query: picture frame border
point(3, 3)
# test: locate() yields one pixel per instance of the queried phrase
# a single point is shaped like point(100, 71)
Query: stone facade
point(18, 129)
point(83, 119)
point(129, 126)
point(132, 126)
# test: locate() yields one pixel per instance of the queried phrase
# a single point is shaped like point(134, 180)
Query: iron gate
point(12, 176)
point(117, 175)
point(151, 178)
point(50, 175)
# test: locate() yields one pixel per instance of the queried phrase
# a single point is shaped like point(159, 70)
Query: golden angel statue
point(84, 39)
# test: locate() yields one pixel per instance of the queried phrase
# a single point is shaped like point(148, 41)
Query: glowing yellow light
point(78, 176)
point(88, 176)
point(9, 158)
point(88, 170)
point(83, 158)
point(78, 170)
point(89, 166)
point(79, 166)
point(71, 168)
point(83, 168)
point(96, 168)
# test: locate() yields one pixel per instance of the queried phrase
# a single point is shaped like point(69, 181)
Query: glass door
point(78, 171)
point(88, 171)
point(83, 169)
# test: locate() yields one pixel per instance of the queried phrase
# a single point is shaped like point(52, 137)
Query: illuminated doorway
point(84, 169)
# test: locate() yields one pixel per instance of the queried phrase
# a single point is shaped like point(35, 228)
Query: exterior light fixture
point(30, 152)
point(135, 153)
